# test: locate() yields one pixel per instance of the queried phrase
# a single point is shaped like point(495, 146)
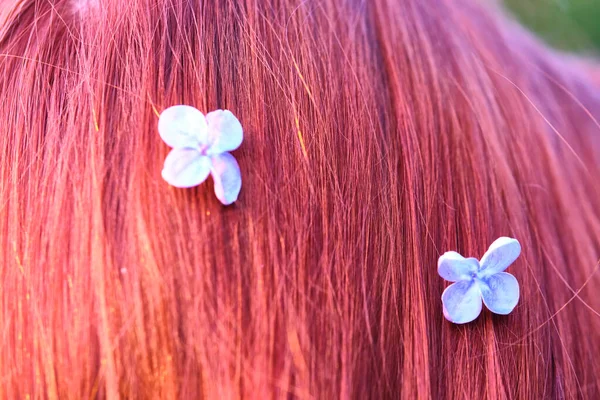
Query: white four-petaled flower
point(477, 280)
point(201, 146)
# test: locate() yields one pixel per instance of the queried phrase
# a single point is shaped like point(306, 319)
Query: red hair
point(378, 135)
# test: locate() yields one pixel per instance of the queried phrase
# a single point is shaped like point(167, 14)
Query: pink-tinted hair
point(378, 135)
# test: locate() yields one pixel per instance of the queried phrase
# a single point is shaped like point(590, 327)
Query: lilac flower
point(201, 146)
point(476, 280)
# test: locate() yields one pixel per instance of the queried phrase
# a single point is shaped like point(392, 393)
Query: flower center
point(203, 149)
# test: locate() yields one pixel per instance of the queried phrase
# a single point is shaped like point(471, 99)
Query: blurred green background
point(566, 24)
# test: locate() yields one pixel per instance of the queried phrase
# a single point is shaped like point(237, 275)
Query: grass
point(567, 24)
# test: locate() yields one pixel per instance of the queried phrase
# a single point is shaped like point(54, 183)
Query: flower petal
point(500, 292)
point(503, 252)
point(462, 302)
point(183, 126)
point(185, 168)
point(228, 179)
point(224, 132)
point(454, 267)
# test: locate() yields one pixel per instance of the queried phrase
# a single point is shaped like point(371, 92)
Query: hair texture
point(378, 135)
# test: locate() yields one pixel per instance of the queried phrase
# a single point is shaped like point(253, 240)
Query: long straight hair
point(378, 135)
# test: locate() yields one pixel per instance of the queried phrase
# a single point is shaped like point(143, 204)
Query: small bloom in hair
point(201, 146)
point(476, 280)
